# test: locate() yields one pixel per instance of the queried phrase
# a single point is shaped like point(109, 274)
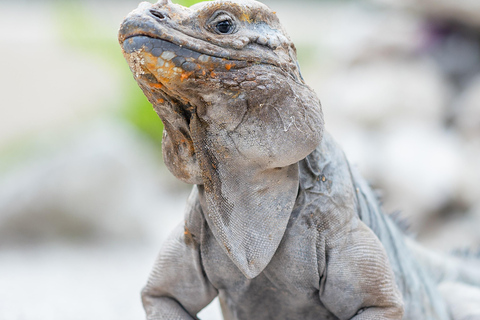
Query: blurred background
point(85, 200)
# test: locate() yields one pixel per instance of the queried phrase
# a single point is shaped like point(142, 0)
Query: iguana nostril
point(160, 16)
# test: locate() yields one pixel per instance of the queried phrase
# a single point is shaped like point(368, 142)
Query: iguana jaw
point(168, 62)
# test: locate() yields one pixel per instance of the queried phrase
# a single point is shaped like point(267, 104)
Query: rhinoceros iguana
point(278, 225)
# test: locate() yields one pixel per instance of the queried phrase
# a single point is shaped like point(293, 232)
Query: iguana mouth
point(172, 58)
point(181, 49)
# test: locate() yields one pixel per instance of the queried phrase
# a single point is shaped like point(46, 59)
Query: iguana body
point(279, 226)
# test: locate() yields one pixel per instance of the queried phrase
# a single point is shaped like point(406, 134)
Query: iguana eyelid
point(219, 16)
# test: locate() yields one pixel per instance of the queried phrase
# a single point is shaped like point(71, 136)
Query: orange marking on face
point(229, 66)
point(157, 85)
point(213, 74)
point(185, 75)
point(160, 100)
point(245, 17)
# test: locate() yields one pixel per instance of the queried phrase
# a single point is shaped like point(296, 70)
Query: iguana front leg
point(164, 308)
point(177, 288)
point(358, 283)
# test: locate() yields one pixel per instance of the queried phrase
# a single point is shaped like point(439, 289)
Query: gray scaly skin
point(278, 224)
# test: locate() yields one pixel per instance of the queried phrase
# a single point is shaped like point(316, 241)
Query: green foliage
point(91, 36)
point(306, 54)
point(139, 111)
point(187, 3)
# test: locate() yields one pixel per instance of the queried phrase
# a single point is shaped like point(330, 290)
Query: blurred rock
point(469, 187)
point(103, 184)
point(467, 117)
point(416, 166)
point(456, 50)
point(382, 92)
point(389, 116)
point(392, 101)
point(465, 11)
point(419, 165)
point(453, 232)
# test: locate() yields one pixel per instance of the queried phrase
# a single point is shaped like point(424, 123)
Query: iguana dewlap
point(278, 225)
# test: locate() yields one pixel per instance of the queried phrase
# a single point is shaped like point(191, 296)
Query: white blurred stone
point(458, 231)
point(376, 93)
point(394, 35)
point(419, 166)
point(468, 111)
point(103, 183)
point(469, 187)
point(466, 11)
point(467, 123)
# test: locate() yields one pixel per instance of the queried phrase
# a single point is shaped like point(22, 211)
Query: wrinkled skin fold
point(278, 225)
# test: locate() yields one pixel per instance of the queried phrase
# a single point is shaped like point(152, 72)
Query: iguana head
point(223, 77)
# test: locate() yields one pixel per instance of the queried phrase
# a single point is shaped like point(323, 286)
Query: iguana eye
point(224, 26)
point(222, 22)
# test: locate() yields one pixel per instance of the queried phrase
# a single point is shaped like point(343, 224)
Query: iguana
point(278, 225)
